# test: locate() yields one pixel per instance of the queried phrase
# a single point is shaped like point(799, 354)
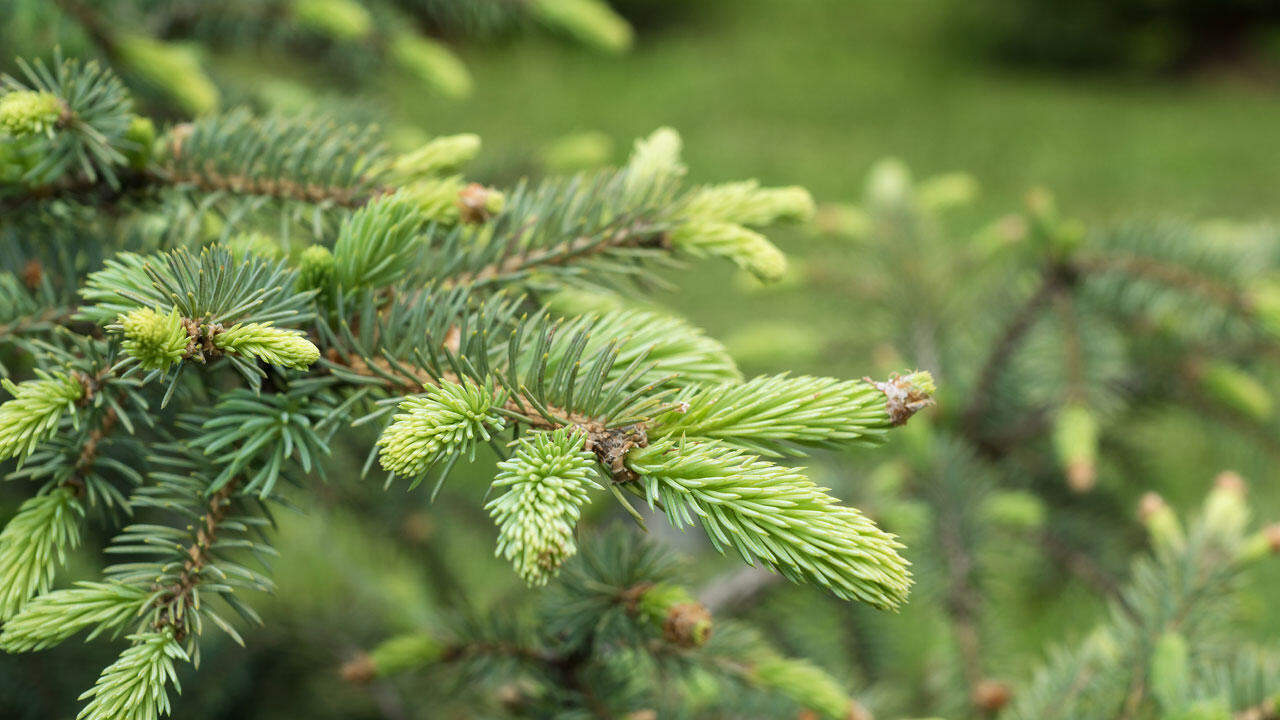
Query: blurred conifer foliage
point(1072, 362)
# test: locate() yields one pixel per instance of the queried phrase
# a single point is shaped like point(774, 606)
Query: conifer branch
point(175, 603)
point(23, 326)
point(962, 598)
point(134, 686)
point(774, 514)
point(799, 680)
point(32, 415)
point(1005, 346)
point(773, 414)
point(1173, 602)
point(568, 252)
point(52, 617)
point(1177, 276)
point(34, 544)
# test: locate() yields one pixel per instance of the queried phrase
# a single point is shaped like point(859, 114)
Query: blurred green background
point(813, 92)
point(806, 92)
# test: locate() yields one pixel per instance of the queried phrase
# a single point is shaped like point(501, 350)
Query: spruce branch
point(963, 601)
point(175, 606)
point(617, 602)
point(775, 514)
point(447, 422)
point(211, 287)
point(182, 569)
point(257, 436)
point(134, 686)
point(1173, 605)
point(623, 217)
point(32, 414)
point(667, 345)
point(1176, 276)
point(748, 204)
point(281, 347)
point(748, 249)
point(545, 482)
point(773, 415)
point(568, 253)
point(376, 243)
point(203, 294)
point(301, 159)
point(412, 300)
point(85, 138)
point(91, 448)
point(52, 617)
point(76, 460)
point(1004, 348)
point(23, 312)
point(34, 544)
point(614, 596)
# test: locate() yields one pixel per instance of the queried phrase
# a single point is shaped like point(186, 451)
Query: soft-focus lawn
point(813, 91)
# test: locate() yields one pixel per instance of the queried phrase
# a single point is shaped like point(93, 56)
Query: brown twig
point(961, 598)
point(140, 182)
point(47, 317)
point(172, 604)
point(1080, 564)
point(1167, 274)
point(89, 451)
point(609, 444)
point(1051, 280)
point(634, 236)
point(213, 181)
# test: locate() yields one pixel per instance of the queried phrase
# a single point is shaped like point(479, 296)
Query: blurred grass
point(813, 91)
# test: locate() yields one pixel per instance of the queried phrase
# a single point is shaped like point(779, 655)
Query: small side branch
point(174, 603)
point(560, 254)
point(1051, 281)
point(1175, 276)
